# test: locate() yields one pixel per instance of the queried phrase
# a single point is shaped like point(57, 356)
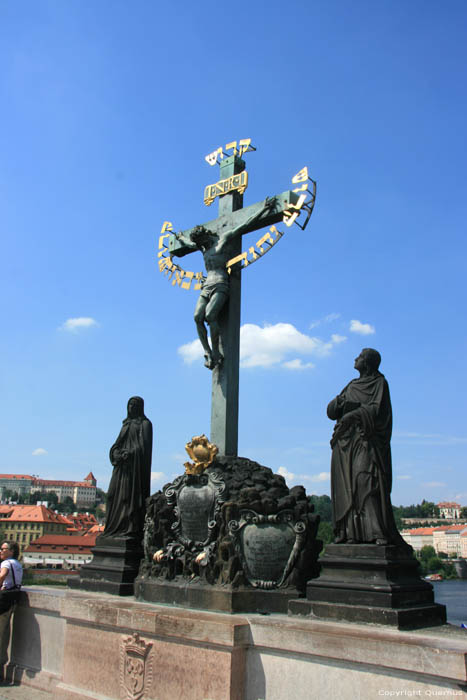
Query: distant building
point(82, 522)
point(448, 539)
point(419, 537)
point(21, 483)
point(26, 523)
point(463, 539)
point(449, 510)
point(59, 551)
point(83, 493)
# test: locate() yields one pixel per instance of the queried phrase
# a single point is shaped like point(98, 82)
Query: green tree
point(427, 552)
point(323, 507)
point(434, 565)
point(325, 533)
point(100, 496)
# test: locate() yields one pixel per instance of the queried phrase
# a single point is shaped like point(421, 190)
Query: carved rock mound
point(237, 525)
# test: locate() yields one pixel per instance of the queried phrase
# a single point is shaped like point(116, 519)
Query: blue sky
point(108, 109)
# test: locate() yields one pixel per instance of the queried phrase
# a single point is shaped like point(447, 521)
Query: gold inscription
point(244, 145)
point(243, 258)
point(235, 182)
point(305, 201)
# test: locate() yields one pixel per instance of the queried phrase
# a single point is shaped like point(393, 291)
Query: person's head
point(368, 361)
point(9, 550)
point(201, 236)
point(135, 407)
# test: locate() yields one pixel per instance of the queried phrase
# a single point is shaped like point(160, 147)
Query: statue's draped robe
point(361, 469)
point(130, 483)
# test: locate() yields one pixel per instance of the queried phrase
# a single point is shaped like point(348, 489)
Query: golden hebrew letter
point(167, 226)
point(244, 146)
point(302, 188)
point(163, 263)
point(301, 176)
point(161, 240)
point(263, 239)
point(230, 263)
point(299, 204)
point(232, 144)
point(199, 277)
point(189, 276)
point(276, 233)
point(289, 218)
point(212, 157)
point(253, 252)
point(179, 275)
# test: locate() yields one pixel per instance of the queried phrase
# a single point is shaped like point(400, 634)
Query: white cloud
point(322, 476)
point(403, 477)
point(288, 476)
point(298, 364)
point(434, 484)
point(336, 338)
point(73, 325)
point(327, 319)
point(268, 346)
point(157, 477)
point(39, 451)
point(191, 351)
point(361, 328)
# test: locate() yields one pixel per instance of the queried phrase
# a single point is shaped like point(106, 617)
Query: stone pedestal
point(371, 583)
point(75, 645)
point(113, 568)
point(225, 599)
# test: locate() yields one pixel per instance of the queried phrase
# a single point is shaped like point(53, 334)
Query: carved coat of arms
point(135, 666)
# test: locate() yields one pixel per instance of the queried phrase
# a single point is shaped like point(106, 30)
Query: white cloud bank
point(361, 328)
point(288, 476)
point(39, 451)
point(322, 476)
point(315, 478)
point(74, 325)
point(269, 346)
point(157, 477)
point(327, 319)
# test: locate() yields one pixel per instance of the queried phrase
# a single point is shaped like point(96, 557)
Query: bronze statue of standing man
point(361, 469)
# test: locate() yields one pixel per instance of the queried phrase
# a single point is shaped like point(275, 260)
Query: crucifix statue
point(218, 305)
point(215, 290)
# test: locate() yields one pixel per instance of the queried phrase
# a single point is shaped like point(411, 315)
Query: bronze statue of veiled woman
point(361, 469)
point(130, 483)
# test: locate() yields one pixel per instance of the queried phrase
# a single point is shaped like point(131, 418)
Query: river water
point(453, 594)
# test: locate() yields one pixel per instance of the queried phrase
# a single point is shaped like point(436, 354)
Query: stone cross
point(232, 218)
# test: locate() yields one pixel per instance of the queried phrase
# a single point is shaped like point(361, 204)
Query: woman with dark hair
point(11, 577)
point(130, 483)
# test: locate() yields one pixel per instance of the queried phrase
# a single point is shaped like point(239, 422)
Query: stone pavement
point(21, 692)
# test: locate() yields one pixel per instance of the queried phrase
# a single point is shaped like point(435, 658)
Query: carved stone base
point(371, 583)
point(113, 569)
point(215, 598)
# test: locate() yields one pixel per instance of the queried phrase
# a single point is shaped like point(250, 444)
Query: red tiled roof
point(61, 543)
point(456, 527)
point(54, 482)
point(90, 476)
point(33, 514)
point(422, 531)
point(449, 504)
point(16, 476)
point(95, 529)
